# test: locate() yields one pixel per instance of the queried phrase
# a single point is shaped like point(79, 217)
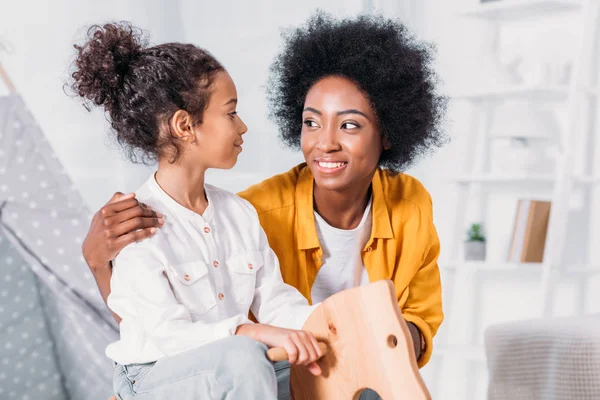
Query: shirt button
point(206, 229)
point(186, 277)
point(369, 248)
point(216, 264)
point(221, 296)
point(250, 266)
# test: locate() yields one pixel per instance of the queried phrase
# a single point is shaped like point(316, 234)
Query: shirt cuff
point(426, 338)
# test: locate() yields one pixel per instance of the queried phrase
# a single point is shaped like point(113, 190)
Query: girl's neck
point(184, 185)
point(342, 209)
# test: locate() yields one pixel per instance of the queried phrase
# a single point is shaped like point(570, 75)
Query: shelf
point(532, 92)
point(589, 180)
point(489, 266)
point(520, 179)
point(507, 10)
point(515, 267)
point(499, 178)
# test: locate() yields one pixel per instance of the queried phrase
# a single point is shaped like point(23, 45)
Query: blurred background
point(515, 193)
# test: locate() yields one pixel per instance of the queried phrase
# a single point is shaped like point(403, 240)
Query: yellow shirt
point(403, 245)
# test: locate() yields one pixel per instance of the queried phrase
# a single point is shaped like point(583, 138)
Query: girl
point(184, 295)
point(358, 98)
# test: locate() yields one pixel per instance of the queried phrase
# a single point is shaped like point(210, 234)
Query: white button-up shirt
point(195, 280)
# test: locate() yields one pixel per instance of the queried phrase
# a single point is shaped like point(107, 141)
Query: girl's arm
point(301, 346)
point(122, 221)
point(275, 302)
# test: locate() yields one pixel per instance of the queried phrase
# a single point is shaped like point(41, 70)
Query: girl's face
point(218, 139)
point(340, 139)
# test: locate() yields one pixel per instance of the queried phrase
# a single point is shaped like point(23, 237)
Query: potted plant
point(475, 243)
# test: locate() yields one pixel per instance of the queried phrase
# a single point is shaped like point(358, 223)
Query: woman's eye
point(350, 125)
point(233, 114)
point(310, 124)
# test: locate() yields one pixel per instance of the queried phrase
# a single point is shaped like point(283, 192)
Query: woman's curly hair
point(142, 87)
point(387, 63)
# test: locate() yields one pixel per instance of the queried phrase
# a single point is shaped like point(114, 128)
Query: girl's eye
point(233, 114)
point(310, 124)
point(350, 125)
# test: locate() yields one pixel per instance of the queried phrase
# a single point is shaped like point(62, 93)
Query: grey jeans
point(232, 368)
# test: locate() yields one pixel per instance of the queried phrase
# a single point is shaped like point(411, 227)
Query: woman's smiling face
point(340, 139)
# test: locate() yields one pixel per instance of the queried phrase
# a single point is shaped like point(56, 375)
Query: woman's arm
point(416, 338)
point(423, 307)
point(122, 221)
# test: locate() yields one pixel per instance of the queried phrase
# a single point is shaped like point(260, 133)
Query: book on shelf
point(529, 232)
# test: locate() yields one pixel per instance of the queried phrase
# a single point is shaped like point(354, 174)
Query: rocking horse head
point(369, 346)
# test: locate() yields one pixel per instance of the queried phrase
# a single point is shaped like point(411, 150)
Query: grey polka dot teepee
point(53, 324)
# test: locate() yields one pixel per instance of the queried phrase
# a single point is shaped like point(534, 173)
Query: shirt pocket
point(243, 269)
point(191, 285)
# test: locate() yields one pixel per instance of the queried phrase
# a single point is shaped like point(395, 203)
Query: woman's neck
point(342, 209)
point(185, 186)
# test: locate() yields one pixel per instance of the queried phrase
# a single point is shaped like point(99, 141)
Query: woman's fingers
point(132, 225)
point(133, 237)
point(120, 196)
point(117, 206)
point(138, 212)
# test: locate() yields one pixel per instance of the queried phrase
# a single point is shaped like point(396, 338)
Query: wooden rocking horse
point(368, 346)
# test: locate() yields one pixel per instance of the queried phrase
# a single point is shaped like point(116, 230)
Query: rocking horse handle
point(279, 353)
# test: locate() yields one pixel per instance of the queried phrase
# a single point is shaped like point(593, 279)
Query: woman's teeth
point(331, 164)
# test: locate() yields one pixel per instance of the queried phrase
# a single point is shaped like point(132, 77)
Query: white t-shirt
point(342, 267)
point(195, 280)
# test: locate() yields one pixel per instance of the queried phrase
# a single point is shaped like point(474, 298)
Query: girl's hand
point(123, 220)
point(301, 346)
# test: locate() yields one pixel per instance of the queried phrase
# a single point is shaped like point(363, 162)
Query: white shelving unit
point(512, 10)
point(529, 92)
point(462, 348)
point(514, 179)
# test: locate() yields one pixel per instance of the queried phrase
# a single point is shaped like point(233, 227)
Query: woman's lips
point(330, 167)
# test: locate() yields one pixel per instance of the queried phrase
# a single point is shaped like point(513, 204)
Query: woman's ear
point(181, 126)
point(386, 143)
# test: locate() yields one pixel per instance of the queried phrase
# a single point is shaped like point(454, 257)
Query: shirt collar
point(177, 208)
point(306, 230)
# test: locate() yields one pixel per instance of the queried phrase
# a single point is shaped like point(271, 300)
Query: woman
point(358, 98)
point(184, 295)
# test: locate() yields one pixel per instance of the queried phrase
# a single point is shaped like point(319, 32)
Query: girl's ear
point(181, 126)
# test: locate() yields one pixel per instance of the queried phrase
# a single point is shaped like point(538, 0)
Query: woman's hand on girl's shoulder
point(120, 222)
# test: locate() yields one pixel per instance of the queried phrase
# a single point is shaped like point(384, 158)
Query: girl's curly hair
point(142, 87)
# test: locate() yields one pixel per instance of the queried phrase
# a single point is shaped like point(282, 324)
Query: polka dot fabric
point(28, 366)
point(45, 220)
